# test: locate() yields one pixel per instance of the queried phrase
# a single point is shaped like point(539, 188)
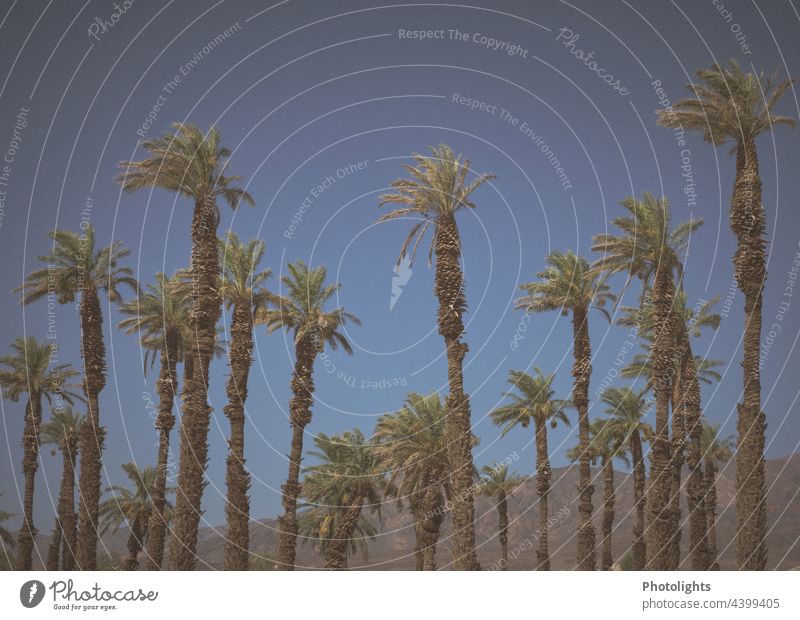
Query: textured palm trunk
point(581, 373)
point(449, 290)
point(135, 542)
point(237, 478)
point(748, 222)
point(431, 523)
point(698, 524)
point(609, 498)
point(299, 417)
point(676, 467)
point(167, 388)
point(659, 530)
point(206, 308)
point(639, 546)
point(30, 464)
point(336, 551)
point(543, 489)
point(92, 435)
point(502, 529)
point(710, 483)
point(62, 543)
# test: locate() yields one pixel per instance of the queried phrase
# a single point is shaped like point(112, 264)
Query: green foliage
point(438, 188)
point(533, 400)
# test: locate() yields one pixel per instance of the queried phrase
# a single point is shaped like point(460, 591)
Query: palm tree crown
point(74, 265)
point(532, 401)
point(187, 162)
point(437, 188)
point(302, 309)
point(729, 105)
point(29, 371)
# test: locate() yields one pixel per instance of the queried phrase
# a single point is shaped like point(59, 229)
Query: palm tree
point(605, 445)
point(317, 525)
point(716, 452)
point(568, 285)
point(410, 444)
point(499, 483)
point(194, 165)
point(243, 293)
point(160, 315)
point(627, 409)
point(347, 479)
point(74, 268)
point(33, 370)
point(731, 106)
point(302, 312)
point(435, 193)
point(534, 402)
point(63, 431)
point(648, 249)
point(133, 508)
point(689, 371)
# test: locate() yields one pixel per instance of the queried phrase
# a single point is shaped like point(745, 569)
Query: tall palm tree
point(347, 479)
point(194, 165)
point(731, 106)
point(649, 249)
point(63, 431)
point(627, 409)
point(131, 507)
point(569, 286)
point(317, 526)
point(410, 444)
point(75, 268)
point(302, 311)
point(499, 483)
point(606, 444)
point(689, 371)
point(716, 453)
point(435, 192)
point(534, 402)
point(160, 315)
point(33, 370)
point(243, 294)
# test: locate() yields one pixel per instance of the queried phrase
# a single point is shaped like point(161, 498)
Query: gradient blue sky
point(306, 88)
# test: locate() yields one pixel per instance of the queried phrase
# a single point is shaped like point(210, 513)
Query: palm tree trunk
point(237, 509)
point(299, 417)
point(659, 519)
point(543, 489)
point(64, 534)
point(710, 483)
point(676, 467)
point(92, 434)
point(432, 517)
point(135, 540)
point(449, 289)
point(502, 529)
point(747, 222)
point(30, 464)
point(336, 552)
point(639, 546)
point(581, 372)
point(167, 388)
point(609, 499)
point(415, 501)
point(698, 524)
point(206, 308)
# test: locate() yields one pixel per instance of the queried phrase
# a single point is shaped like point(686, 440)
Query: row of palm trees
point(177, 320)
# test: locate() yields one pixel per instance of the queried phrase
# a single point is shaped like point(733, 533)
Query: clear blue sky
point(308, 88)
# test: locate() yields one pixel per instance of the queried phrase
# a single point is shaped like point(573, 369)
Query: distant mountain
point(393, 547)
